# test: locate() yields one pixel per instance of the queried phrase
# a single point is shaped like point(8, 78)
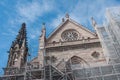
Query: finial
point(23, 24)
point(43, 23)
point(63, 20)
point(67, 15)
point(93, 22)
point(43, 26)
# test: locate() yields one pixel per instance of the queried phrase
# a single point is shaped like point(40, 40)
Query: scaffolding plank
point(107, 70)
point(111, 77)
point(96, 71)
point(117, 68)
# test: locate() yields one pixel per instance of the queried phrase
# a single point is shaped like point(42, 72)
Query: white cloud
point(83, 11)
point(5, 34)
point(87, 9)
point(34, 33)
point(57, 20)
point(31, 11)
point(32, 36)
point(10, 32)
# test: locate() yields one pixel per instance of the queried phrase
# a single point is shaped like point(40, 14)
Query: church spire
point(19, 49)
point(22, 36)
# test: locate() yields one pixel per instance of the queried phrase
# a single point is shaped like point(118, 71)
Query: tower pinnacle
point(19, 49)
point(67, 15)
point(93, 22)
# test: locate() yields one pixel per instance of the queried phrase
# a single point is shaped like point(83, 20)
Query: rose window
point(70, 35)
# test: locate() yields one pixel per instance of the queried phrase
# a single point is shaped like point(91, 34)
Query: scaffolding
point(107, 72)
point(109, 35)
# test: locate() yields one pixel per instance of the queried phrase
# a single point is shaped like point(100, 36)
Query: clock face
point(70, 35)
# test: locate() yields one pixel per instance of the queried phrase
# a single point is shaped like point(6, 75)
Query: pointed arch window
point(76, 62)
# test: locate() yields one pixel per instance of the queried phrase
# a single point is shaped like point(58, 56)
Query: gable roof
point(74, 22)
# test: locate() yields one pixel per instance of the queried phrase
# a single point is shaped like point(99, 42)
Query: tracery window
point(76, 62)
point(70, 35)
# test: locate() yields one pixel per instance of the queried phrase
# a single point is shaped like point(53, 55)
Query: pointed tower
point(41, 52)
point(103, 36)
point(18, 50)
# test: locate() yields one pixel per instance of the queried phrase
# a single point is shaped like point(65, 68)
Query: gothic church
point(71, 52)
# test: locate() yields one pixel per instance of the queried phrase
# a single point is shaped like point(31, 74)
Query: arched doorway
point(75, 62)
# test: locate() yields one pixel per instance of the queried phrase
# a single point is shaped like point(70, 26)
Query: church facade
point(71, 52)
point(73, 41)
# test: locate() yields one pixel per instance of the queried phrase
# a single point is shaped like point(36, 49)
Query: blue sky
point(34, 12)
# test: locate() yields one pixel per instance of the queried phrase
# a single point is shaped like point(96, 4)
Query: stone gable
point(70, 25)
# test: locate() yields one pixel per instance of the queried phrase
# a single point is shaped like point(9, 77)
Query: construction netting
point(109, 72)
point(109, 35)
